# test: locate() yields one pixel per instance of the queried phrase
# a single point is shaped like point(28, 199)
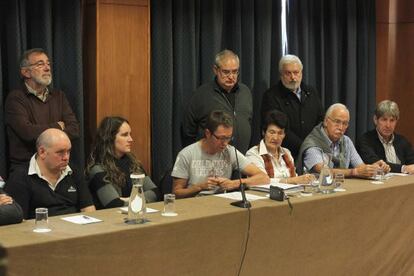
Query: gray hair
point(223, 55)
point(389, 108)
point(24, 59)
point(333, 107)
point(289, 59)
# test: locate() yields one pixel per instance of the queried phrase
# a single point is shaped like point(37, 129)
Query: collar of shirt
point(334, 146)
point(383, 141)
point(233, 90)
point(263, 150)
point(298, 93)
point(42, 97)
point(34, 169)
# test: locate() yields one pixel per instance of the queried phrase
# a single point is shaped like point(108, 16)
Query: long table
point(367, 230)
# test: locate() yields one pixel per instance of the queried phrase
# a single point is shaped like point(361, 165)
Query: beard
point(43, 80)
point(293, 85)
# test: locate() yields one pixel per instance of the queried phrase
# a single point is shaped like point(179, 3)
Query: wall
point(117, 60)
point(395, 58)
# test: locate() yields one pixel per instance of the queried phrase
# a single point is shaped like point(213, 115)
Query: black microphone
point(244, 203)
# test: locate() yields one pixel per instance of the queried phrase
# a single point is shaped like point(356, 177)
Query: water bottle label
point(136, 204)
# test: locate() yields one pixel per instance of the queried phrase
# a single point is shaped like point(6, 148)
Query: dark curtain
point(185, 36)
point(335, 40)
point(56, 27)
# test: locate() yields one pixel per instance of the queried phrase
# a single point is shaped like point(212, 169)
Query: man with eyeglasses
point(297, 100)
point(329, 137)
point(35, 107)
point(383, 143)
point(226, 93)
point(206, 166)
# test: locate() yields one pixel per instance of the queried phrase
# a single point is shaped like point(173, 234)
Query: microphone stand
point(244, 203)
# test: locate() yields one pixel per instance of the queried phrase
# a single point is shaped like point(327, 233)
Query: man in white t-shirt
point(208, 164)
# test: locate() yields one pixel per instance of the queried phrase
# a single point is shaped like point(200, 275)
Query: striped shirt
point(389, 149)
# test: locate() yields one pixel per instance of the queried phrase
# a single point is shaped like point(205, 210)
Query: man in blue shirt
point(329, 137)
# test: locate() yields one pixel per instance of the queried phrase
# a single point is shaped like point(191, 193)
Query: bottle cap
point(137, 176)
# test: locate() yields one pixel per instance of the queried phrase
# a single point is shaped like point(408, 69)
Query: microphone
point(244, 203)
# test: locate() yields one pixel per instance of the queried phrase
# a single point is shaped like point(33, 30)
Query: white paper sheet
point(82, 219)
point(395, 174)
point(237, 196)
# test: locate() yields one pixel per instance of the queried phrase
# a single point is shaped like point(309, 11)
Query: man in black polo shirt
point(48, 181)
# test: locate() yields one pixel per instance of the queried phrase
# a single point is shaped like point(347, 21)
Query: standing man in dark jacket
point(297, 100)
point(35, 107)
point(223, 93)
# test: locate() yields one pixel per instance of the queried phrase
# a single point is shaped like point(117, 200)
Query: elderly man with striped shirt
point(329, 138)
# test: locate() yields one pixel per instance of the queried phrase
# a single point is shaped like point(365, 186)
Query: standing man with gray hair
point(35, 107)
point(225, 93)
point(383, 143)
point(297, 100)
point(329, 137)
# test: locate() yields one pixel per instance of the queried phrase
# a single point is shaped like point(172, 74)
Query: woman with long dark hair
point(111, 163)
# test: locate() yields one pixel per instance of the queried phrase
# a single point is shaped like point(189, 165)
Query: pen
point(86, 217)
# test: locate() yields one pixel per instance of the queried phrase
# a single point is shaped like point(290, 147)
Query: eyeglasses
point(339, 122)
point(40, 64)
point(227, 73)
point(223, 138)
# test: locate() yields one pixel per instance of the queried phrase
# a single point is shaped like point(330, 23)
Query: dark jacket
point(303, 115)
point(10, 213)
point(371, 150)
point(209, 97)
point(31, 192)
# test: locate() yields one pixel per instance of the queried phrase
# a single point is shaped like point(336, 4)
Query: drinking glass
point(41, 221)
point(379, 176)
point(339, 179)
point(169, 205)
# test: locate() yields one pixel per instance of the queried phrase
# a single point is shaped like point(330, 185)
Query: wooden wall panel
point(122, 69)
point(89, 71)
point(395, 58)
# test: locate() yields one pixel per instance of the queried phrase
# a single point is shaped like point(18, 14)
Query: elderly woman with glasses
point(270, 156)
point(111, 163)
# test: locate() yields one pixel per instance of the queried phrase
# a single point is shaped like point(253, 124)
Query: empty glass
point(339, 180)
point(379, 176)
point(169, 205)
point(41, 221)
